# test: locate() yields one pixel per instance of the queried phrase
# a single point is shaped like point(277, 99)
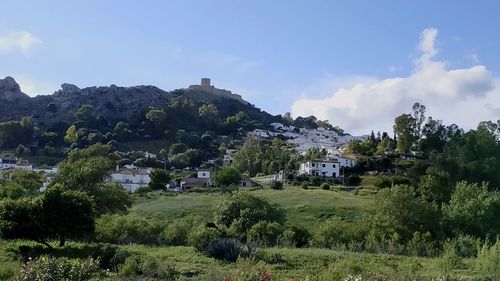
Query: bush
point(304, 185)
point(325, 186)
point(119, 229)
point(176, 233)
point(148, 268)
point(241, 211)
point(110, 257)
point(277, 185)
point(488, 261)
point(224, 249)
point(201, 237)
point(294, 236)
point(389, 181)
point(265, 234)
point(50, 268)
point(353, 180)
point(463, 246)
point(337, 234)
point(422, 245)
point(315, 181)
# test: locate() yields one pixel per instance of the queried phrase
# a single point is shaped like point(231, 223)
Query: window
point(334, 165)
point(324, 165)
point(324, 173)
point(312, 164)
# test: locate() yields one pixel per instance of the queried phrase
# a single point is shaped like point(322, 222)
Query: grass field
point(284, 263)
point(303, 207)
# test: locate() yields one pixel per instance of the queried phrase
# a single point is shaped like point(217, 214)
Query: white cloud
point(462, 96)
point(22, 41)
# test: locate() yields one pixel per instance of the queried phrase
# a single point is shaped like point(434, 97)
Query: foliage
point(21, 219)
point(277, 185)
point(201, 236)
point(120, 229)
point(67, 214)
point(241, 211)
point(228, 249)
point(488, 262)
point(159, 179)
point(400, 210)
point(473, 210)
point(265, 234)
point(463, 246)
point(227, 176)
point(338, 234)
point(50, 268)
point(389, 181)
point(325, 186)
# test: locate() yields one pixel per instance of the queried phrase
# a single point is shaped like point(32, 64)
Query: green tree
point(473, 210)
point(241, 211)
point(434, 186)
point(400, 210)
point(157, 117)
point(227, 176)
point(68, 214)
point(22, 219)
point(177, 148)
point(71, 136)
point(404, 128)
point(159, 179)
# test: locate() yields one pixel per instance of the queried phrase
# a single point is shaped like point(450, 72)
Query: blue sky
point(280, 55)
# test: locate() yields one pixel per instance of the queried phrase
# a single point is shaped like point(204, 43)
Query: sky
point(357, 64)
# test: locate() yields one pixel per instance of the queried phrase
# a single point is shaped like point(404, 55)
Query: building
point(227, 160)
point(204, 174)
point(246, 182)
point(205, 86)
point(15, 163)
point(189, 183)
point(321, 167)
point(131, 178)
point(345, 161)
point(8, 163)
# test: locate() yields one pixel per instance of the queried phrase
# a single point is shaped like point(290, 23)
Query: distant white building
point(15, 163)
point(321, 167)
point(132, 177)
point(227, 160)
point(203, 174)
point(345, 162)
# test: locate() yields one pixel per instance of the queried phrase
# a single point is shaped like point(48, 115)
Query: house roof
point(126, 171)
point(195, 181)
point(322, 160)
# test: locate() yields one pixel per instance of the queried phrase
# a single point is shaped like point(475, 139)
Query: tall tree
point(404, 128)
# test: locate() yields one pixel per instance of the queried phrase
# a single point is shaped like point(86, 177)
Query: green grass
point(284, 263)
point(303, 207)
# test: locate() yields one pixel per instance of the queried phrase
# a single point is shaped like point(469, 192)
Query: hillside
point(112, 103)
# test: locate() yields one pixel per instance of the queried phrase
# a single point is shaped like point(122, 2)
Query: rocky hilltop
point(113, 103)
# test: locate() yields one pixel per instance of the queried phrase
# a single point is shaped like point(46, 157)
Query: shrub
point(148, 268)
point(315, 181)
point(325, 186)
point(488, 261)
point(201, 237)
point(277, 185)
point(304, 185)
point(109, 256)
point(353, 180)
point(265, 234)
point(389, 181)
point(463, 246)
point(120, 229)
point(422, 244)
point(338, 234)
point(224, 249)
point(50, 268)
point(176, 233)
point(241, 211)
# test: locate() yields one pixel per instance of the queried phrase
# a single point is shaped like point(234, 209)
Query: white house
point(227, 160)
point(321, 167)
point(345, 162)
point(15, 164)
point(203, 174)
point(8, 163)
point(131, 178)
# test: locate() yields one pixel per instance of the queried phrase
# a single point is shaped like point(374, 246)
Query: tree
point(177, 148)
point(473, 210)
point(418, 114)
point(157, 117)
point(241, 211)
point(20, 150)
point(159, 179)
point(67, 214)
point(248, 158)
point(227, 176)
point(434, 186)
point(399, 210)
point(208, 112)
point(22, 219)
point(71, 136)
point(404, 128)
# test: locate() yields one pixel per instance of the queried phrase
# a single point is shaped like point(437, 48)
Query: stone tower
point(205, 82)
